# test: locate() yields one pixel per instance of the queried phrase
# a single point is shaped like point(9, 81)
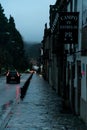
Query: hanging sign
point(68, 27)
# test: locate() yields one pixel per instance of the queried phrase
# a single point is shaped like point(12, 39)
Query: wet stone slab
point(41, 110)
point(29, 116)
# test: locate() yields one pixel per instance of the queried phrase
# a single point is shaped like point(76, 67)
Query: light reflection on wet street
point(41, 110)
point(9, 94)
point(5, 106)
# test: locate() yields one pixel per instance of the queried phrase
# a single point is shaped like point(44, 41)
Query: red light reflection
point(18, 92)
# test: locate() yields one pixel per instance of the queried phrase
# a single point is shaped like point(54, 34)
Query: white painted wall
point(83, 80)
point(79, 9)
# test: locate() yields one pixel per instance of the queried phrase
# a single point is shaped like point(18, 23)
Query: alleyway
point(41, 110)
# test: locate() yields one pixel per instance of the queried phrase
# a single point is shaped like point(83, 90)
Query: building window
point(70, 6)
point(75, 5)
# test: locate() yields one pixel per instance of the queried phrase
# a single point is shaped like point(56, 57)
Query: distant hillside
point(32, 50)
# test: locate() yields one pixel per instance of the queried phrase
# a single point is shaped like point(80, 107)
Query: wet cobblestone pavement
point(41, 110)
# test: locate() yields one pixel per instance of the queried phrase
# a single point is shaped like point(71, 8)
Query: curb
point(25, 87)
point(6, 116)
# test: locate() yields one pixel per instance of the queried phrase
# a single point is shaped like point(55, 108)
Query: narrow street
point(41, 110)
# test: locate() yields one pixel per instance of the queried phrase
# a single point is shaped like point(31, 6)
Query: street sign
point(68, 27)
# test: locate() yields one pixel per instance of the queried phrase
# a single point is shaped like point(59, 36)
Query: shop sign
point(68, 27)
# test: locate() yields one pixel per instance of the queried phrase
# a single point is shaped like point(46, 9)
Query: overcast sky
point(30, 16)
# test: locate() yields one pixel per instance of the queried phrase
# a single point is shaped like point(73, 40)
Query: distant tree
point(16, 45)
point(3, 26)
point(3, 36)
point(11, 44)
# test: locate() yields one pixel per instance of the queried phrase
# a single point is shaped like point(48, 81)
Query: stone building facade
point(64, 58)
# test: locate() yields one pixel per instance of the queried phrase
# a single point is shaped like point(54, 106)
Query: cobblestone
point(41, 110)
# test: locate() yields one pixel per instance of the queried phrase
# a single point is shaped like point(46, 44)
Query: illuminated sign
point(68, 27)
